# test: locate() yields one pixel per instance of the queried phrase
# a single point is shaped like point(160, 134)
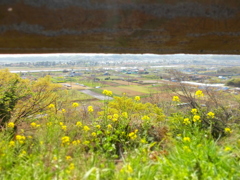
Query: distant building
point(73, 74)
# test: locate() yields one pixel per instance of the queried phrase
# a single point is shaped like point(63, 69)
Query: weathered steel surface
point(120, 26)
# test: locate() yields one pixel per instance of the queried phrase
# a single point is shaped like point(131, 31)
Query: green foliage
point(12, 89)
point(21, 98)
point(234, 82)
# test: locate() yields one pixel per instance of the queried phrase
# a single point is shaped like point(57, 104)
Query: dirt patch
point(120, 82)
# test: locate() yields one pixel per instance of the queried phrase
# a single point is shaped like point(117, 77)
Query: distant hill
point(120, 26)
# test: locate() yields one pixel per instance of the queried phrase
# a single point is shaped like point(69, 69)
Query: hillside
point(119, 26)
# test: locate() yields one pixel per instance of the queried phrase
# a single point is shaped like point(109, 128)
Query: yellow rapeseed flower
point(186, 139)
point(64, 128)
point(63, 110)
point(33, 125)
point(127, 169)
point(51, 106)
point(125, 114)
point(186, 121)
point(68, 158)
point(49, 123)
point(115, 117)
point(90, 109)
point(227, 148)
point(98, 126)
point(71, 166)
point(186, 148)
point(20, 137)
point(194, 111)
point(94, 134)
point(11, 143)
point(79, 124)
point(86, 142)
point(137, 98)
point(196, 118)
point(76, 142)
point(11, 125)
point(107, 93)
point(199, 93)
point(210, 115)
point(65, 139)
point(132, 135)
point(176, 99)
point(109, 126)
point(75, 105)
point(227, 130)
point(145, 118)
point(109, 116)
point(86, 128)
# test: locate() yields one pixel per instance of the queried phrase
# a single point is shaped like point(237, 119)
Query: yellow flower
point(90, 109)
point(68, 158)
point(227, 130)
point(23, 153)
point(86, 128)
point(20, 137)
point(75, 105)
point(210, 115)
point(176, 99)
point(145, 118)
point(115, 117)
point(107, 93)
point(49, 123)
point(109, 126)
point(86, 142)
point(196, 118)
point(194, 111)
point(186, 121)
point(63, 110)
point(11, 143)
point(11, 125)
point(127, 168)
point(64, 128)
point(186, 139)
point(137, 98)
point(94, 134)
point(227, 148)
point(186, 148)
point(65, 140)
point(109, 116)
point(51, 106)
point(125, 114)
point(132, 135)
point(79, 124)
point(71, 166)
point(33, 125)
point(98, 126)
point(76, 142)
point(199, 93)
